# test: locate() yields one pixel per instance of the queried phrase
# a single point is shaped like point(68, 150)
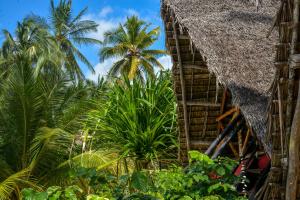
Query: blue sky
point(107, 13)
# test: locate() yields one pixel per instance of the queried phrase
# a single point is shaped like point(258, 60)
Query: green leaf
point(95, 197)
point(198, 177)
point(140, 181)
point(197, 156)
point(70, 192)
point(186, 198)
point(224, 186)
point(221, 171)
point(30, 194)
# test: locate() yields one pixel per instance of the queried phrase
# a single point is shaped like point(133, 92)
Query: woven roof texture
point(232, 36)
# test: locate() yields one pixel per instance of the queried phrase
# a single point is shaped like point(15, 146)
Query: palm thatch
point(231, 35)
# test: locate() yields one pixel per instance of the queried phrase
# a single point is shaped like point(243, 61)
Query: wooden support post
point(292, 177)
point(182, 82)
point(293, 169)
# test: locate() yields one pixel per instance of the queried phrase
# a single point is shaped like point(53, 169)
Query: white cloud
point(131, 12)
point(166, 61)
point(102, 69)
point(105, 11)
point(103, 26)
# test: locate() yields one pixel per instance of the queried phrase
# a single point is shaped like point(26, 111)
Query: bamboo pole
point(228, 138)
point(220, 137)
point(185, 114)
point(229, 112)
point(246, 141)
point(292, 176)
point(235, 153)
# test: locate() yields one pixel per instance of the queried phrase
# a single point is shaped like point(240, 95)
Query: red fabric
point(263, 161)
point(238, 170)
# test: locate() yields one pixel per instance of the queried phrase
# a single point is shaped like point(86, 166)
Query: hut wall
point(280, 115)
point(203, 95)
point(202, 92)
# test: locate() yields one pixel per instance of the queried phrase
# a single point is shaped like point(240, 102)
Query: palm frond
point(13, 184)
point(49, 148)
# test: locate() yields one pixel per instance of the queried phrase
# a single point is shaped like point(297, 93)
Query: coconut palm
point(40, 129)
point(130, 43)
point(69, 31)
point(32, 44)
point(39, 114)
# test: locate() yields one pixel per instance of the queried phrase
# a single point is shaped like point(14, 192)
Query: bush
point(203, 179)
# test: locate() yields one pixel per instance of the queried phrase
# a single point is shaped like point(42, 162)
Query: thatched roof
point(231, 35)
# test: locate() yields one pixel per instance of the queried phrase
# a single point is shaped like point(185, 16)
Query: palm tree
point(31, 44)
point(69, 31)
point(130, 43)
point(40, 114)
point(40, 129)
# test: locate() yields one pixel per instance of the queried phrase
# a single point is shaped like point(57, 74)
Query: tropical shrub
point(203, 179)
point(43, 97)
point(138, 120)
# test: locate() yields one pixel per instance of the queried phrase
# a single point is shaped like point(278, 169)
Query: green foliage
point(138, 120)
point(43, 99)
point(53, 193)
point(203, 179)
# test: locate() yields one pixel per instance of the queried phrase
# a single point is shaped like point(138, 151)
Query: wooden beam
point(200, 67)
point(281, 117)
point(229, 112)
point(200, 103)
point(185, 114)
point(246, 141)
